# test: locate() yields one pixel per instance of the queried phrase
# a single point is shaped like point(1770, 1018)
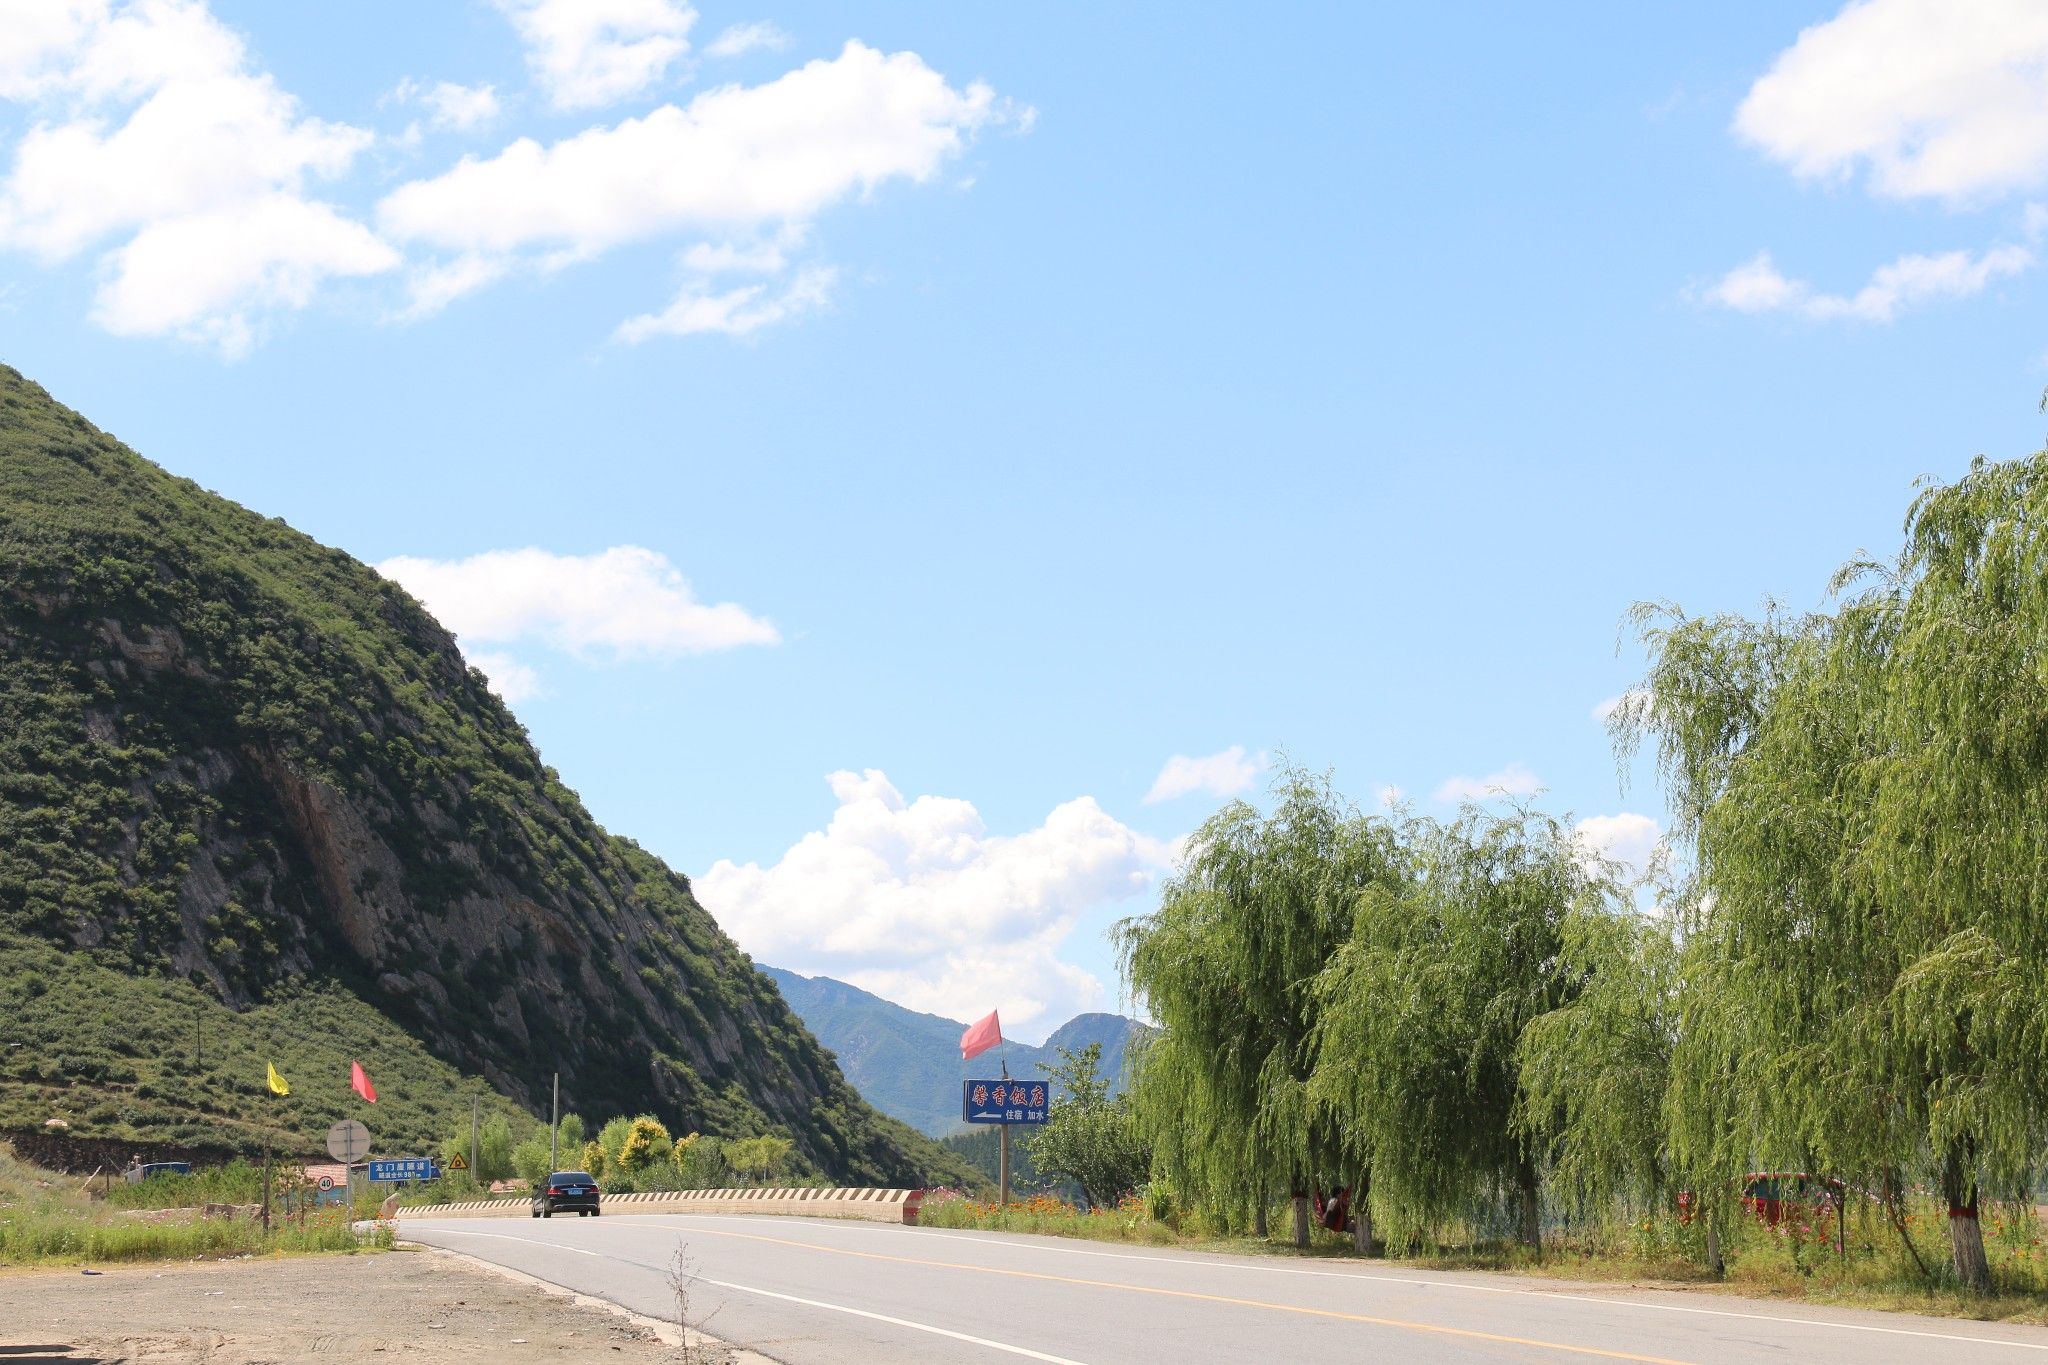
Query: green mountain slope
point(907, 1064)
point(238, 759)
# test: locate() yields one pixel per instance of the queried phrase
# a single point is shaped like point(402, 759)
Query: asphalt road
point(823, 1293)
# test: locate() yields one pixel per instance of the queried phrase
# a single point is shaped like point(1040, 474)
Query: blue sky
point(1047, 392)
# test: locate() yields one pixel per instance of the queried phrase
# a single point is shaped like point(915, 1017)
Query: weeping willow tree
point(1255, 909)
point(1424, 1008)
point(1866, 793)
point(1594, 1071)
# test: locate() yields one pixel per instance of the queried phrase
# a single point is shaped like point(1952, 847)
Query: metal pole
point(266, 1180)
point(1004, 1165)
point(475, 1104)
point(555, 1128)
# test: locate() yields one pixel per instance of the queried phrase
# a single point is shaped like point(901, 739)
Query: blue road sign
point(1005, 1101)
point(404, 1168)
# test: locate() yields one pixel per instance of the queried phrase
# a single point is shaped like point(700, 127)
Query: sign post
point(1004, 1102)
point(349, 1142)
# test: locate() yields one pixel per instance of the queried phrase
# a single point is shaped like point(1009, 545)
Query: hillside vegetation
point(237, 759)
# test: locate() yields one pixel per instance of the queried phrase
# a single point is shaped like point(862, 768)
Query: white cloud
point(734, 312)
point(1928, 97)
point(918, 902)
point(1757, 286)
point(735, 157)
point(1220, 774)
point(1513, 780)
point(743, 38)
point(512, 680)
point(738, 159)
point(624, 602)
point(208, 276)
point(431, 288)
point(587, 53)
point(1628, 839)
point(1603, 711)
point(152, 126)
point(449, 105)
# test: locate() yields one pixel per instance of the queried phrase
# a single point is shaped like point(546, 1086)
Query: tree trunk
point(1300, 1222)
point(1531, 1222)
point(1361, 1214)
point(1965, 1233)
point(1715, 1265)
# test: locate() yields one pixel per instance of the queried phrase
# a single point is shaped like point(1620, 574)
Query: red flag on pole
point(359, 1081)
point(980, 1037)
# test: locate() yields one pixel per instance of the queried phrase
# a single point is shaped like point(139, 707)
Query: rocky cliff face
point(233, 755)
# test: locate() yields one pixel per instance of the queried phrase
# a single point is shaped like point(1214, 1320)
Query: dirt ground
point(351, 1310)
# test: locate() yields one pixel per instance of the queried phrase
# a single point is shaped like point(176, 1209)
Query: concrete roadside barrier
point(867, 1205)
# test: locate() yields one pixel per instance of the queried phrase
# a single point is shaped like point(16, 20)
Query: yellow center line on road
point(1470, 1334)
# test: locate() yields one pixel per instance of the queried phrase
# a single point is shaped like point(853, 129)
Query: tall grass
point(46, 1219)
point(62, 1237)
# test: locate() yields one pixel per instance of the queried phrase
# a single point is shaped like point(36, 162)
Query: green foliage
point(139, 1058)
point(700, 1162)
point(225, 746)
point(1423, 1012)
point(494, 1148)
point(645, 1144)
point(1257, 907)
point(1866, 793)
point(1594, 1071)
point(758, 1157)
point(1090, 1138)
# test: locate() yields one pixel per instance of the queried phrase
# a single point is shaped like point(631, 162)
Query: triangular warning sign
point(457, 1163)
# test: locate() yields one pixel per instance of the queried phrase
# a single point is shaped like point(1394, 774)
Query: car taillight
point(554, 1189)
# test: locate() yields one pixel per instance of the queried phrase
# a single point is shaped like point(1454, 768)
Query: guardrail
point(868, 1205)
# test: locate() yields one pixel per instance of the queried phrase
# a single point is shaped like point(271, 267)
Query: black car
point(567, 1192)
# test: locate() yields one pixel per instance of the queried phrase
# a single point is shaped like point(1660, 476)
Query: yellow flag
point(277, 1084)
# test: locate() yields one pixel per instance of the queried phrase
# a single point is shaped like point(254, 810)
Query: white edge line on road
point(1026, 1352)
point(1370, 1277)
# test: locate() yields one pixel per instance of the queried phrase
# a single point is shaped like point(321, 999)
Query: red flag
point(981, 1036)
point(359, 1081)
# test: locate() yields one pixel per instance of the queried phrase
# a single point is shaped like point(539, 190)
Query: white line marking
point(1026, 1352)
point(792, 1298)
point(1370, 1277)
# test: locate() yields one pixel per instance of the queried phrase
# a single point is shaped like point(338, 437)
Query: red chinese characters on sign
point(1002, 1096)
point(1038, 1097)
point(981, 1094)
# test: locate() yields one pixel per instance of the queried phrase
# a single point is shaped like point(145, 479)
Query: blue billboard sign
point(404, 1168)
point(1005, 1101)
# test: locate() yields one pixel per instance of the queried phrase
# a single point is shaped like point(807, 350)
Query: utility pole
point(555, 1128)
point(1003, 1161)
point(475, 1106)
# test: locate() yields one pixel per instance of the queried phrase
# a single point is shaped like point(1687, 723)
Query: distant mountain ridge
point(907, 1064)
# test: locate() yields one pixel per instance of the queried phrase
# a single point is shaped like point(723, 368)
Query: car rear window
point(571, 1178)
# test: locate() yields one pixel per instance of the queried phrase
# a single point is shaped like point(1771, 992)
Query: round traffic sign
point(348, 1141)
point(326, 1182)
